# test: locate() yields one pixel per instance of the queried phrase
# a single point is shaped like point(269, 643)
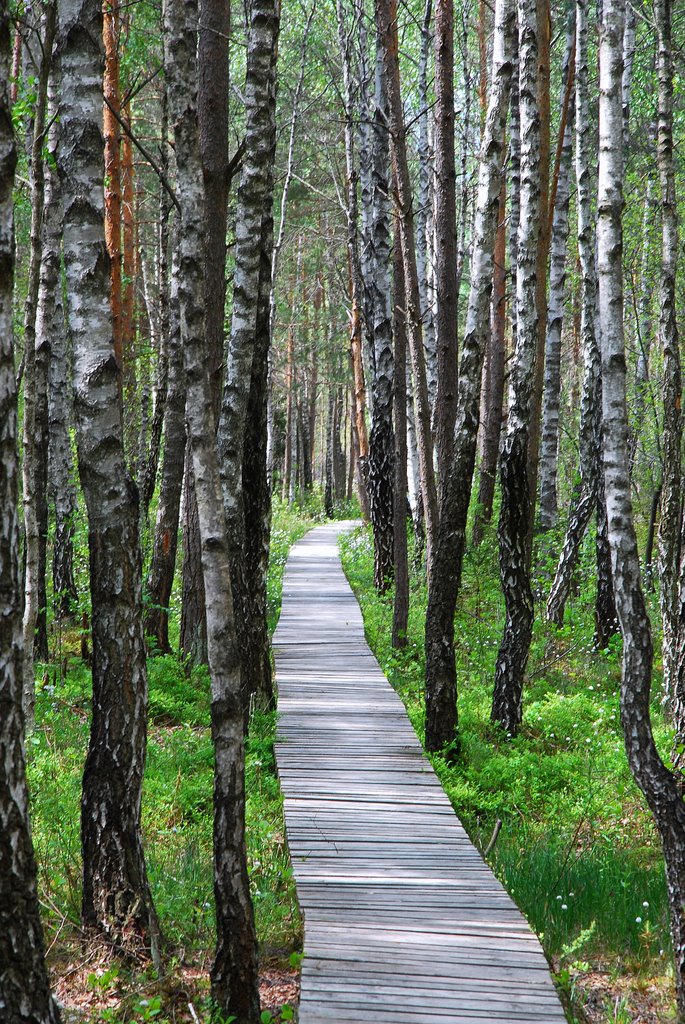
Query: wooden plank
point(404, 922)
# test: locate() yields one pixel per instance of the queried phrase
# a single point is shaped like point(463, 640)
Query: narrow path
point(404, 923)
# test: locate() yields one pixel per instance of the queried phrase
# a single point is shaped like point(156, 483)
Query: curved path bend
point(404, 922)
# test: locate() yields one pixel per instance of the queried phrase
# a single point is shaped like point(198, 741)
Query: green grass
point(577, 849)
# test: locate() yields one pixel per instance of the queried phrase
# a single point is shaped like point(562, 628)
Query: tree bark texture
point(234, 973)
point(660, 787)
point(425, 221)
point(515, 464)
point(400, 614)
point(381, 471)
point(670, 572)
point(51, 334)
point(441, 686)
point(445, 238)
point(494, 389)
point(34, 460)
point(160, 576)
point(116, 893)
point(387, 41)
point(25, 996)
point(255, 197)
point(549, 443)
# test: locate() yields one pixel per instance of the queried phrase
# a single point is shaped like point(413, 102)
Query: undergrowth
point(577, 848)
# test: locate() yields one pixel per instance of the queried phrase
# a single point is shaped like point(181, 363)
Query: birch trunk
point(116, 893)
point(515, 463)
point(661, 788)
point(549, 443)
point(381, 472)
point(160, 576)
point(671, 499)
point(35, 388)
point(445, 239)
point(24, 986)
point(387, 41)
point(51, 332)
point(441, 685)
point(234, 973)
point(494, 387)
point(424, 214)
point(255, 197)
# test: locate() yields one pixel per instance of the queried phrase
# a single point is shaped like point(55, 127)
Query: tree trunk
point(557, 285)
point(671, 499)
point(400, 614)
point(35, 389)
point(446, 238)
point(441, 686)
point(234, 974)
point(116, 894)
point(255, 198)
point(387, 41)
point(515, 463)
point(24, 986)
point(660, 787)
point(113, 199)
point(381, 472)
point(494, 391)
point(160, 577)
point(425, 223)
point(51, 331)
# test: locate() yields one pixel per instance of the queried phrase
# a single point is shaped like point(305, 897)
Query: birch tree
point(234, 972)
point(517, 504)
point(116, 893)
point(661, 788)
point(255, 198)
point(671, 497)
point(24, 987)
point(441, 708)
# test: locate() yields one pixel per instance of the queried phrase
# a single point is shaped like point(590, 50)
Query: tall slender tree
point(441, 708)
point(116, 893)
point(234, 973)
point(24, 985)
point(515, 464)
point(660, 786)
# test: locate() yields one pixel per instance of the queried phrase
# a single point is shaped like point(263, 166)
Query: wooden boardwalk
point(404, 922)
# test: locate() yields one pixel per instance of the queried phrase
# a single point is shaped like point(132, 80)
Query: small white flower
point(645, 903)
point(638, 920)
point(564, 906)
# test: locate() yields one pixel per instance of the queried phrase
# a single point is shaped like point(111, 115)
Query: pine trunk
point(116, 893)
point(400, 615)
point(160, 577)
point(441, 685)
point(557, 285)
point(446, 239)
point(387, 41)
